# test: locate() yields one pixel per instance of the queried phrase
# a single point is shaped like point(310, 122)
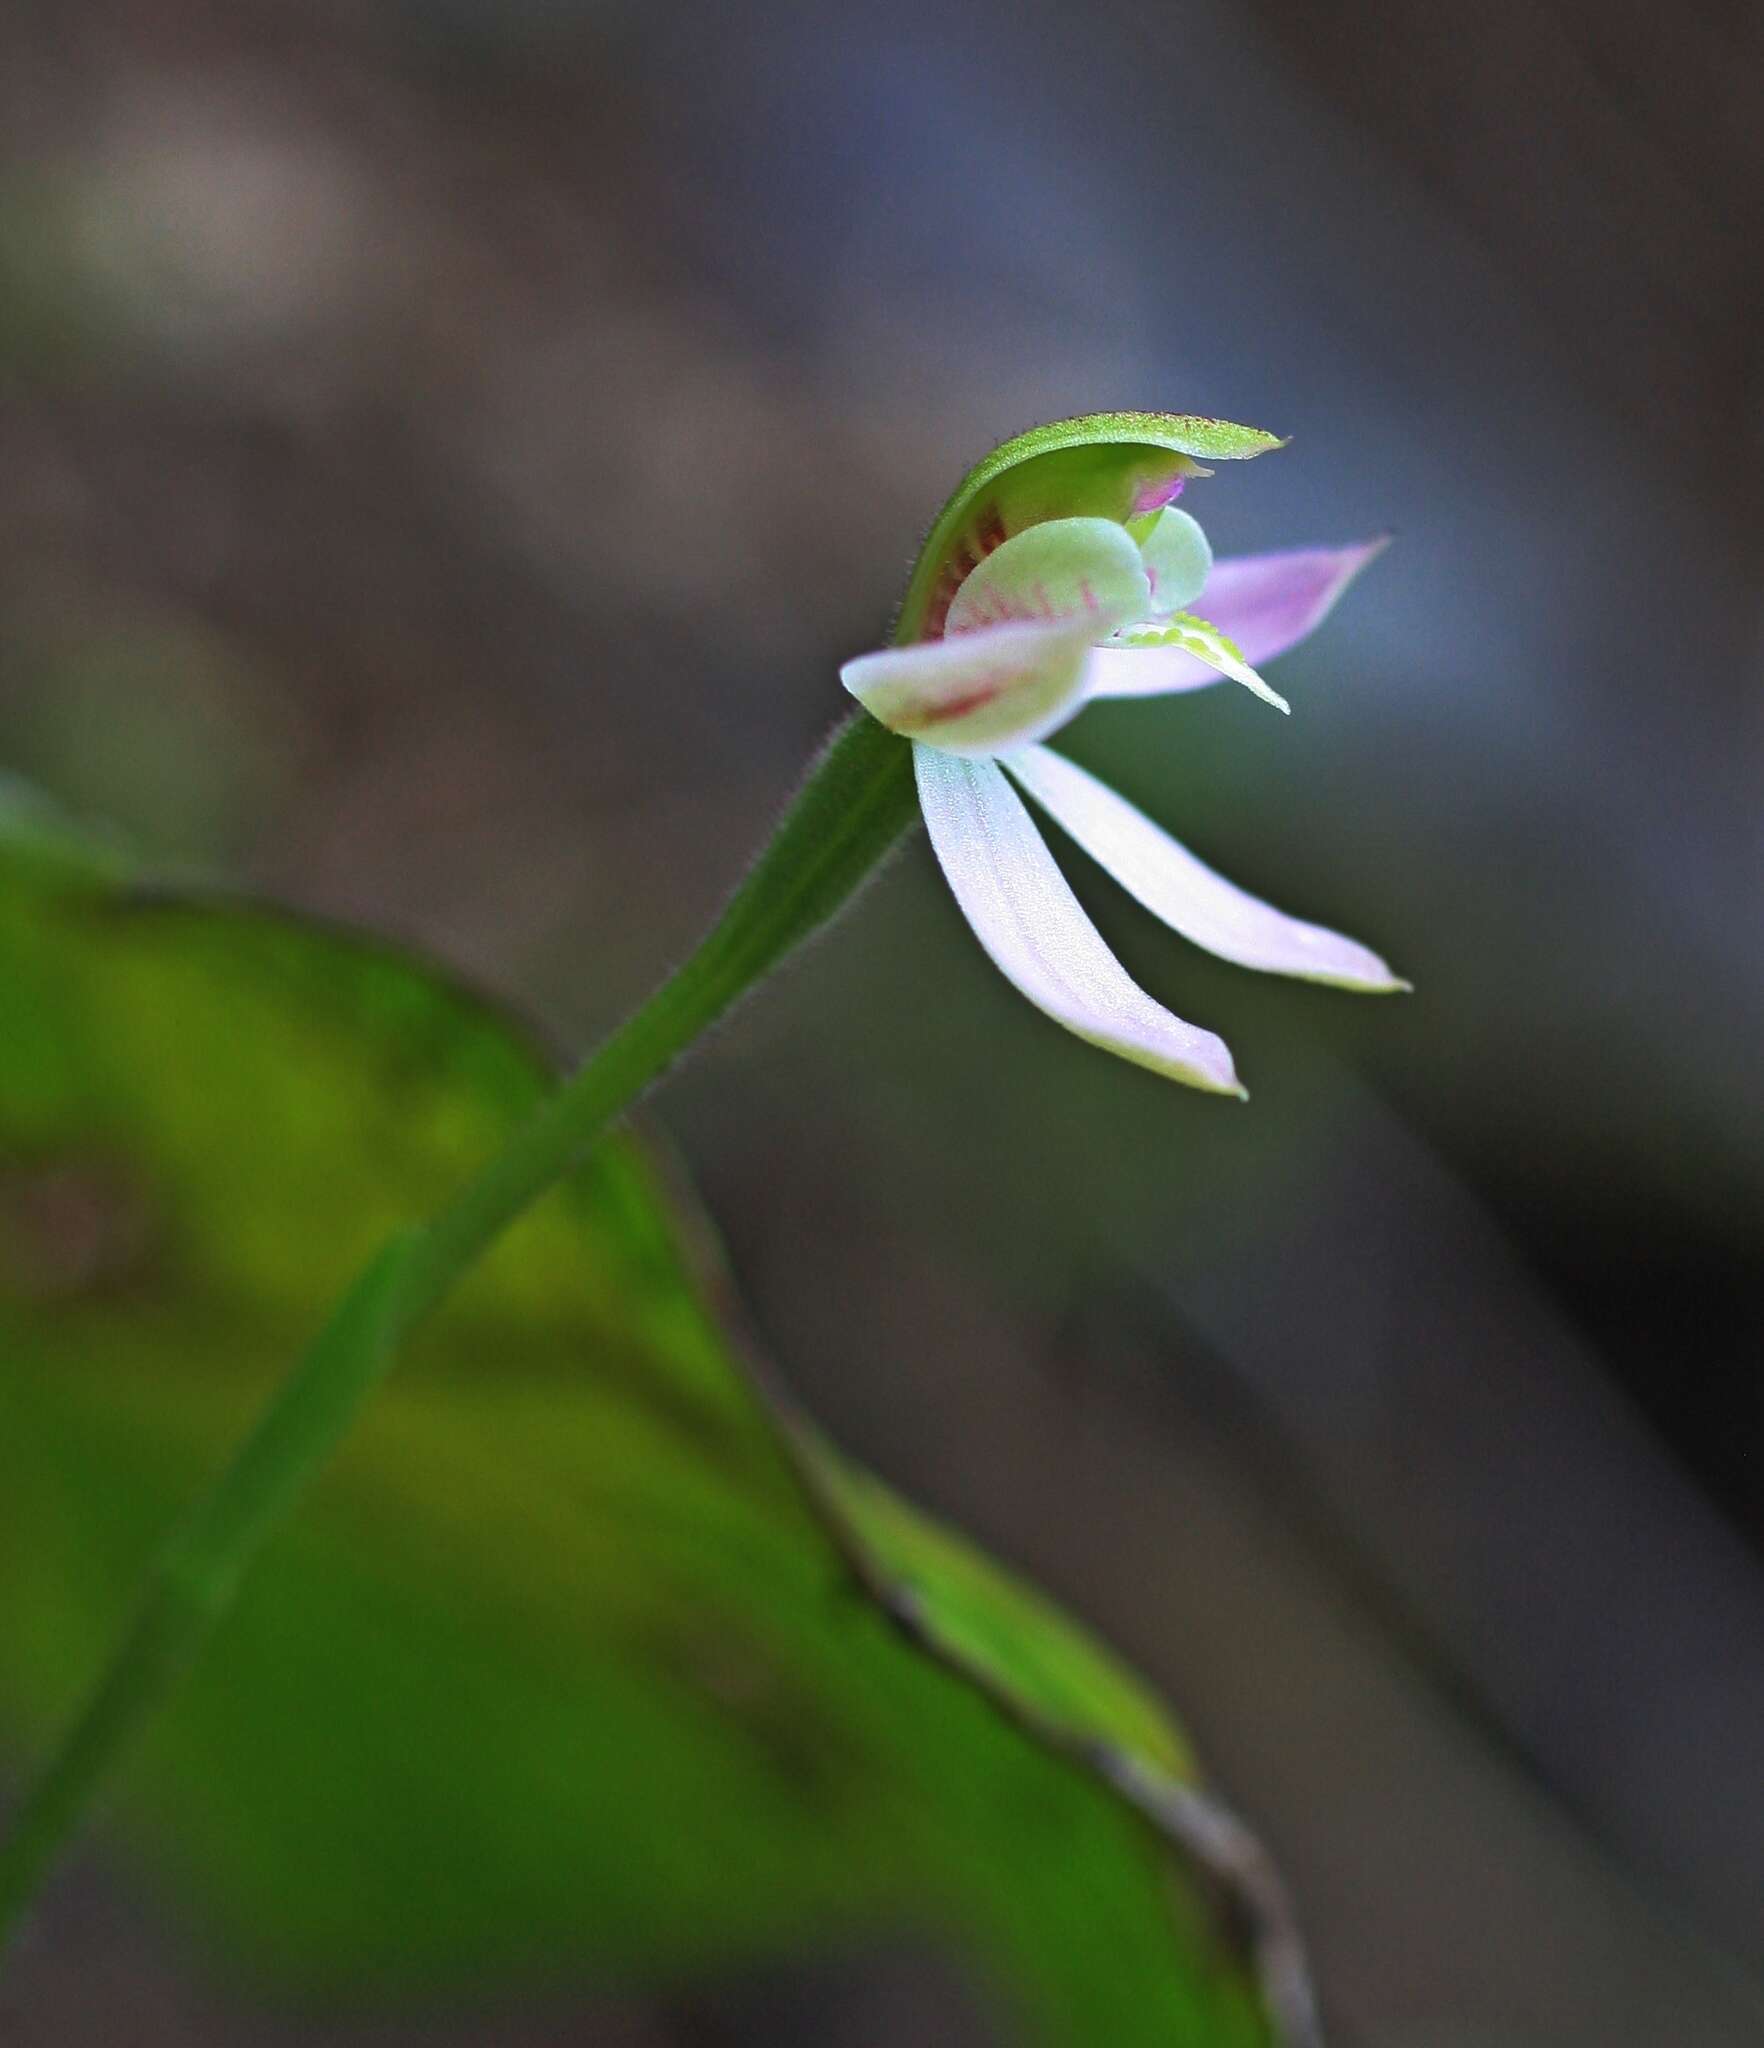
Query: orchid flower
point(1062, 571)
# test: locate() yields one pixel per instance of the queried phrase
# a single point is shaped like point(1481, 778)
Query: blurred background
point(445, 450)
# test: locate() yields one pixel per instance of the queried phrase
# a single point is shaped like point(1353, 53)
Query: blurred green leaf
point(569, 1661)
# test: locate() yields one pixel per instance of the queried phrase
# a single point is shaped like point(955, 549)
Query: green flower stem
point(855, 805)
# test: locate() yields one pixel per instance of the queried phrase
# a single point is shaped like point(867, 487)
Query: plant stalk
point(856, 803)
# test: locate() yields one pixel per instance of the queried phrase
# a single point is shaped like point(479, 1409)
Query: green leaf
point(586, 1652)
point(1108, 465)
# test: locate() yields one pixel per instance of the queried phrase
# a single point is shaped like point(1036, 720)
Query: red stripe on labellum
point(921, 717)
point(959, 707)
point(986, 533)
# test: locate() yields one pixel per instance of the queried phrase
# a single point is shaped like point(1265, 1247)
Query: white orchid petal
point(978, 693)
point(1024, 913)
point(1263, 603)
point(1184, 891)
point(1060, 569)
point(1120, 671)
point(1177, 556)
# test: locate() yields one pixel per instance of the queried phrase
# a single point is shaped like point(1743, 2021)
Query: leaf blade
point(557, 1664)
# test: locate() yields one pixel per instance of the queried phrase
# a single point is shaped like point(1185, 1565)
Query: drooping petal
point(1263, 603)
point(1177, 557)
point(997, 687)
point(1184, 891)
point(1062, 569)
point(1201, 641)
point(1024, 913)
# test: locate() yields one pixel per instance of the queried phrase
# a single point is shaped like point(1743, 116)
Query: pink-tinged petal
point(1062, 569)
point(1024, 913)
point(1185, 892)
point(1263, 603)
point(979, 692)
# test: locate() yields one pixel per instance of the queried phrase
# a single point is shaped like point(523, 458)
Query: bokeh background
point(445, 449)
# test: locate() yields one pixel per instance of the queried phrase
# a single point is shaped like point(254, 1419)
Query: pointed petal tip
point(1187, 895)
point(1374, 979)
point(1023, 912)
point(1212, 1072)
point(1223, 1083)
point(1377, 979)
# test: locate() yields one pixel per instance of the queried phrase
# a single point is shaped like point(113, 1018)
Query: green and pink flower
point(1062, 571)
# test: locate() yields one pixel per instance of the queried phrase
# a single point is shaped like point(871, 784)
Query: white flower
point(1037, 623)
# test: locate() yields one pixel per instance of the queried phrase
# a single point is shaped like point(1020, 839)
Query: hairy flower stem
point(857, 802)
